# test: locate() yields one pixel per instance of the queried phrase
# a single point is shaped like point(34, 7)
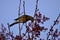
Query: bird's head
point(29, 18)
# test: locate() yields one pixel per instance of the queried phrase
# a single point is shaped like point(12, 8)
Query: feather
point(22, 19)
point(13, 24)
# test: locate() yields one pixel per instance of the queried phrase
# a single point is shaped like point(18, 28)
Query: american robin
point(22, 19)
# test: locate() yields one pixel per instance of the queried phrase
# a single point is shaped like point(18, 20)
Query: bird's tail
point(13, 24)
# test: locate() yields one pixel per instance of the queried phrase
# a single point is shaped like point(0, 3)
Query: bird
point(22, 19)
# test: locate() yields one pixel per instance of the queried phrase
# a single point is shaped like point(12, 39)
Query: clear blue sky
point(9, 11)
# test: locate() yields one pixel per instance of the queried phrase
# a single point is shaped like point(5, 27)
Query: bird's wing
point(18, 18)
point(24, 17)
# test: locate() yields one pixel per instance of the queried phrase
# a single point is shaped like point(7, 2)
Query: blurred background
point(9, 12)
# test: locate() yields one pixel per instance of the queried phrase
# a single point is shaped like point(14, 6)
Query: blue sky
point(9, 11)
